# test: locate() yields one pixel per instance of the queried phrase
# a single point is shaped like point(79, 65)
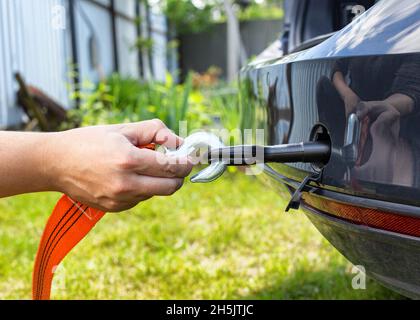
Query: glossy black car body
point(367, 203)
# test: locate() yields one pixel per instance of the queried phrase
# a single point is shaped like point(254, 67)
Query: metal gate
point(45, 40)
point(33, 48)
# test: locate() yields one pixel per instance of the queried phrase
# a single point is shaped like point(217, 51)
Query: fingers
point(361, 110)
point(373, 108)
point(152, 131)
point(152, 186)
point(156, 164)
point(137, 189)
point(118, 205)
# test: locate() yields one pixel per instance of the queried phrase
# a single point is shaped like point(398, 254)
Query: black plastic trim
point(396, 208)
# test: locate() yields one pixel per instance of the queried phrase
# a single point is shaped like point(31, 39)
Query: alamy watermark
point(59, 284)
point(58, 17)
point(358, 282)
point(252, 158)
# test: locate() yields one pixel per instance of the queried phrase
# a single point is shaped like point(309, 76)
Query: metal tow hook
point(193, 144)
point(220, 156)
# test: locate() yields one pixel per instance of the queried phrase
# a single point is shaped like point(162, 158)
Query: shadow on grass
point(322, 284)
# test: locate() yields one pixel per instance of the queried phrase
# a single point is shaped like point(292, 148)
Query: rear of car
point(367, 200)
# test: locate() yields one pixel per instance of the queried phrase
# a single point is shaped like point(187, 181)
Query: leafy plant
point(120, 100)
point(226, 103)
point(202, 101)
point(188, 17)
point(259, 12)
point(143, 44)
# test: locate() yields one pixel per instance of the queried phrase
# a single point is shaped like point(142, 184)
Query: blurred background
point(71, 63)
point(61, 50)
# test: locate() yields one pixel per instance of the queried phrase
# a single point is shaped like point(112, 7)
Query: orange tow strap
point(69, 223)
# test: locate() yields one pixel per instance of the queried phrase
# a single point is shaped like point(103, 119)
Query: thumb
point(151, 131)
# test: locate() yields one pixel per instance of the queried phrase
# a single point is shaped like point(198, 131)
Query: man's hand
point(99, 166)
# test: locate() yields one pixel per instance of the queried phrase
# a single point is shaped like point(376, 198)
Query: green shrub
point(259, 12)
point(187, 18)
point(121, 100)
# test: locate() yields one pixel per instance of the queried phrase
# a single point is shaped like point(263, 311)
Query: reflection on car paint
point(382, 91)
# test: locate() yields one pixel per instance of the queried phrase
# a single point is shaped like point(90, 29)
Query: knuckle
point(119, 187)
point(113, 206)
point(171, 170)
point(175, 186)
point(394, 114)
point(127, 161)
point(186, 169)
point(158, 123)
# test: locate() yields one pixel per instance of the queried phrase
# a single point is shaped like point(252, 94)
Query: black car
point(352, 79)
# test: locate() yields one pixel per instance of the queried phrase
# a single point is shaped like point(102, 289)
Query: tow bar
point(71, 221)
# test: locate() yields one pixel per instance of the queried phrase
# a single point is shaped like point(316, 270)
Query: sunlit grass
point(228, 239)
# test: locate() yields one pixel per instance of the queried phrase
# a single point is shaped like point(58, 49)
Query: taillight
point(364, 216)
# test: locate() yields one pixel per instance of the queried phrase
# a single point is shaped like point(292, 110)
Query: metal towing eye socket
point(207, 148)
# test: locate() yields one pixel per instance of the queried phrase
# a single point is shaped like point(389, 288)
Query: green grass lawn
point(227, 240)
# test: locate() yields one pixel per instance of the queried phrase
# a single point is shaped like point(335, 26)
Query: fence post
point(114, 35)
point(74, 49)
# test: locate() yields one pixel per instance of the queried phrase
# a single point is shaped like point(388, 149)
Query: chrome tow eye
point(219, 156)
point(193, 144)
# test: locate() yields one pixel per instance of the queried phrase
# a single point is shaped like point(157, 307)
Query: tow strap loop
point(69, 223)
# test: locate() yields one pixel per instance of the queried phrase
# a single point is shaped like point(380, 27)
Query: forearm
point(350, 98)
point(25, 163)
point(98, 166)
point(340, 84)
